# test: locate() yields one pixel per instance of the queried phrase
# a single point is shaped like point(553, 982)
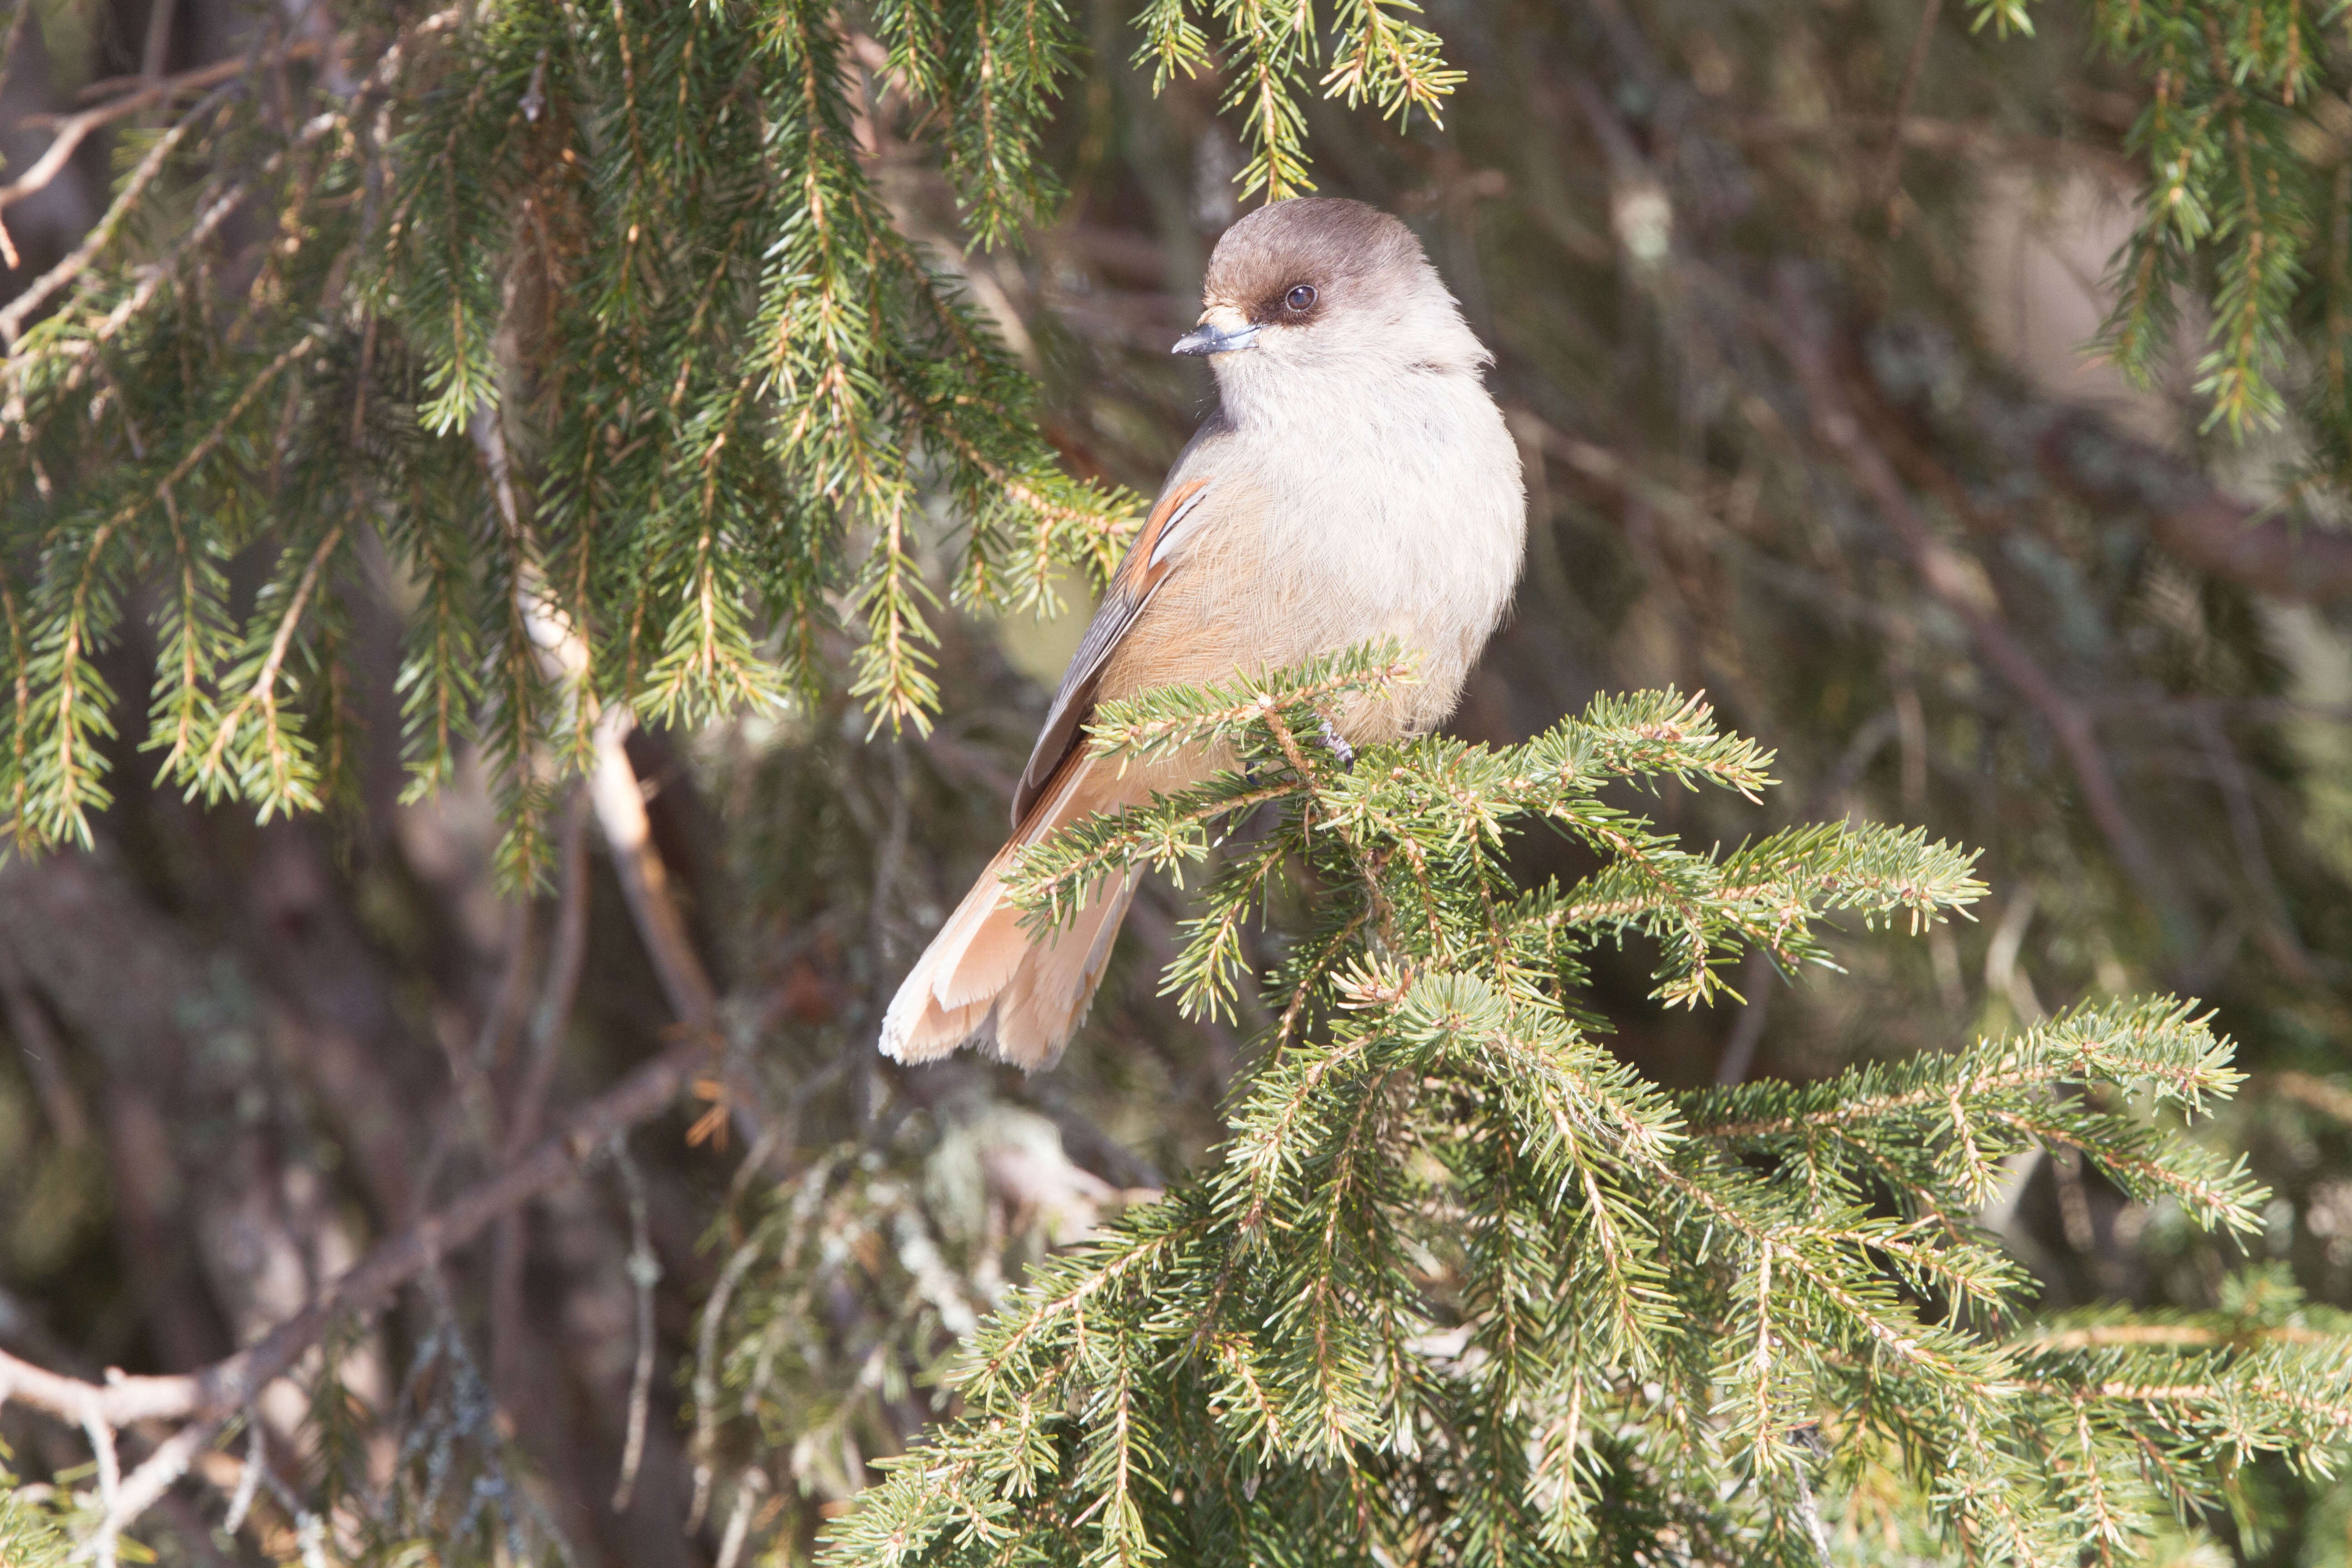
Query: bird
point(1354, 480)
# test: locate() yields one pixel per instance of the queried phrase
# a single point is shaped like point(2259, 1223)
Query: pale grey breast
point(1402, 517)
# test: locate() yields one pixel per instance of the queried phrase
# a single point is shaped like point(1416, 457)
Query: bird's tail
point(985, 980)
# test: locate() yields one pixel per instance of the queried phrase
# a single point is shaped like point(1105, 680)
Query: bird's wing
point(1149, 559)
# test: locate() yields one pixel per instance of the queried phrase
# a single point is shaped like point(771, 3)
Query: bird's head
point(1307, 290)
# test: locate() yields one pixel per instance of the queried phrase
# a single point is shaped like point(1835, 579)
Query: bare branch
point(547, 1023)
point(74, 129)
point(146, 1486)
point(620, 811)
point(2284, 556)
point(1890, 179)
point(645, 1273)
point(228, 1385)
point(1794, 327)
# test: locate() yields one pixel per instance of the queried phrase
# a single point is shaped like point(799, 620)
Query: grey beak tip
point(1214, 340)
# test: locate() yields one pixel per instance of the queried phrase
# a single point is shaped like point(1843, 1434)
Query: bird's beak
point(1216, 338)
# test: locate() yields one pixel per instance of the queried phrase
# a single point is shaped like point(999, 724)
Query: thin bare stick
point(645, 882)
point(160, 17)
point(228, 1385)
point(110, 1485)
point(706, 1378)
point(1890, 181)
point(101, 233)
point(146, 1486)
point(645, 1273)
point(554, 1014)
point(748, 1487)
point(1795, 328)
point(549, 1021)
point(248, 1480)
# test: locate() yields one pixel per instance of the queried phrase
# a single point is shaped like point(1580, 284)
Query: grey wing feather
point(1139, 574)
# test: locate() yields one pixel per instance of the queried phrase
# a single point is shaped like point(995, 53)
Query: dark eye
point(1301, 299)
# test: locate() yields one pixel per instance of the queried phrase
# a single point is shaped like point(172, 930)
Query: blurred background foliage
point(1794, 310)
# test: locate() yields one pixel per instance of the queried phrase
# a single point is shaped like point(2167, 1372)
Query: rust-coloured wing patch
point(1148, 562)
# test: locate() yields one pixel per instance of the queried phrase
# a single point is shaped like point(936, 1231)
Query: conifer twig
point(1797, 330)
point(225, 1386)
point(71, 128)
point(645, 1273)
point(1890, 180)
point(550, 1019)
point(36, 293)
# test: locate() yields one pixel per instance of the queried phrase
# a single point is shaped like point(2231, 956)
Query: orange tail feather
point(986, 981)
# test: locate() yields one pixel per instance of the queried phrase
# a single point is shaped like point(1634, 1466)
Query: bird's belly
point(1438, 608)
point(1328, 534)
point(1435, 577)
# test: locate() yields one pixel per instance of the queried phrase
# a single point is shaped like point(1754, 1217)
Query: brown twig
point(74, 129)
point(748, 1487)
point(620, 807)
point(144, 1486)
point(706, 1375)
point(1954, 582)
point(1890, 180)
point(549, 1021)
point(228, 1385)
point(2284, 556)
point(645, 1273)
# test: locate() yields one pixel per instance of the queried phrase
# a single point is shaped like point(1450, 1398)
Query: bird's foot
point(1331, 738)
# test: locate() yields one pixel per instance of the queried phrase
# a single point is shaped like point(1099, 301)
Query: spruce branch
point(735, 382)
point(1451, 1244)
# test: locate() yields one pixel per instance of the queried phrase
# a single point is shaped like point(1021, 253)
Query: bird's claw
point(1331, 738)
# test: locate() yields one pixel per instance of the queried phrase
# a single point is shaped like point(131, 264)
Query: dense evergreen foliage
point(1461, 1287)
point(440, 433)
